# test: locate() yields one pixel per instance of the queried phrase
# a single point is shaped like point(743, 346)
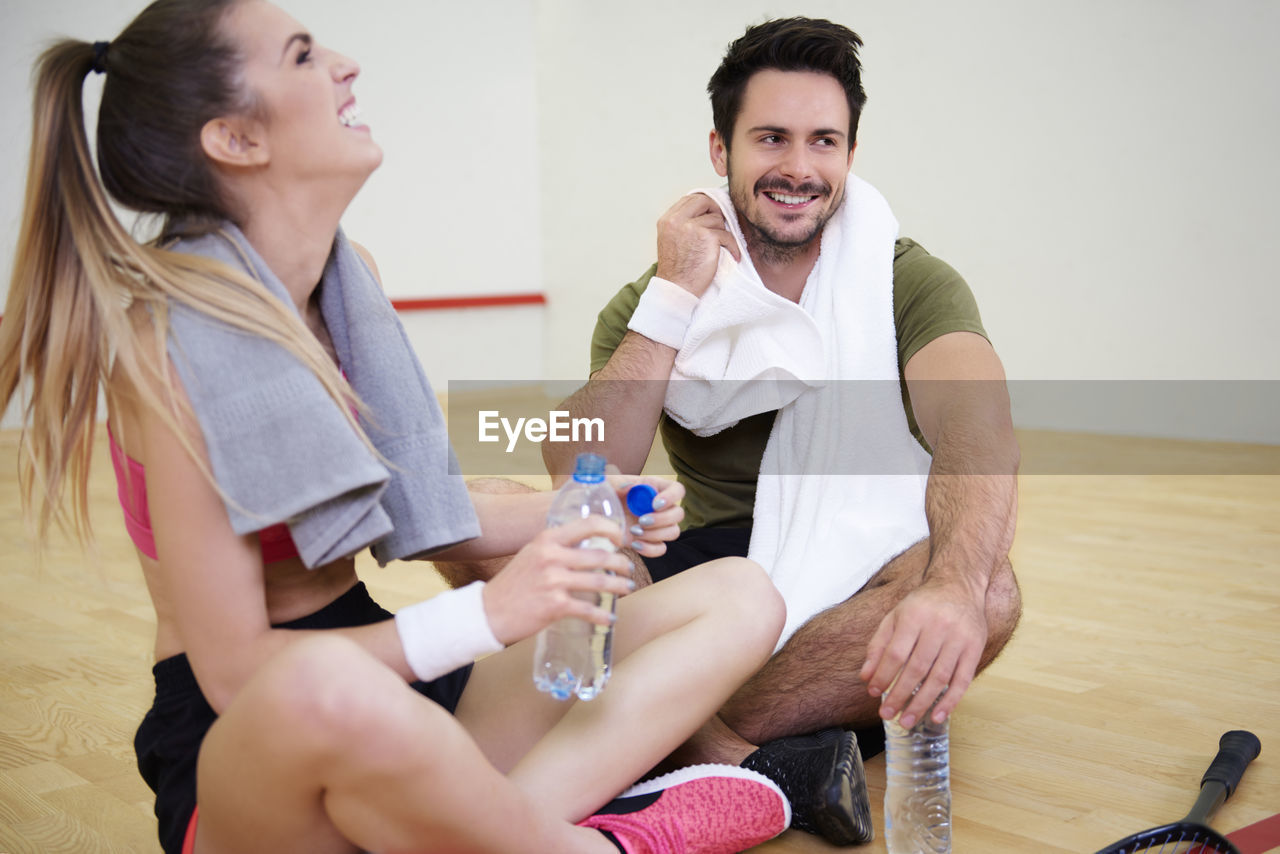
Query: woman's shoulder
point(367, 257)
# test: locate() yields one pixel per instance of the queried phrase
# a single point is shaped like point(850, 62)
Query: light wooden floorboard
point(1152, 625)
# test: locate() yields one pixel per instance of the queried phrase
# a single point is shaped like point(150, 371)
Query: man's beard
point(766, 243)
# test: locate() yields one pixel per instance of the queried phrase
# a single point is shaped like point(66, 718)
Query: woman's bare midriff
point(291, 591)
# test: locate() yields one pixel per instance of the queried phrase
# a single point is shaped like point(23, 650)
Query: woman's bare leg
point(326, 749)
point(680, 650)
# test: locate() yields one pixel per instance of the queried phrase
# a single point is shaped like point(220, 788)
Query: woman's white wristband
point(445, 632)
point(663, 313)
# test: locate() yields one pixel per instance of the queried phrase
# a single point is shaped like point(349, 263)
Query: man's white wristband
point(663, 313)
point(446, 632)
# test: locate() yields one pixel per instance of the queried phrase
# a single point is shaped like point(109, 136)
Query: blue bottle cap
point(640, 499)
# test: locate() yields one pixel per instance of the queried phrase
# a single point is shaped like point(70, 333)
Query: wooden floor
point(1151, 626)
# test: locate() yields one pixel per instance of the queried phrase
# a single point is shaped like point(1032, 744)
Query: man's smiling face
point(788, 158)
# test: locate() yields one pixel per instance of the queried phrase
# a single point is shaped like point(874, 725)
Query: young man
point(886, 504)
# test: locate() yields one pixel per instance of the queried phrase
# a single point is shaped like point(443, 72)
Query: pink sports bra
point(276, 542)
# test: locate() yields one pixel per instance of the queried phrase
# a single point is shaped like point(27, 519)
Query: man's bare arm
point(629, 390)
point(627, 393)
point(935, 637)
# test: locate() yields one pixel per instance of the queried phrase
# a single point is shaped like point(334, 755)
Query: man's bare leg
point(462, 572)
point(812, 682)
point(799, 705)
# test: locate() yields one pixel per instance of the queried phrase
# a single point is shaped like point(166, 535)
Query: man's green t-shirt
point(719, 472)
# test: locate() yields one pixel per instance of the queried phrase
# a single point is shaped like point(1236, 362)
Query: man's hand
point(930, 643)
point(690, 235)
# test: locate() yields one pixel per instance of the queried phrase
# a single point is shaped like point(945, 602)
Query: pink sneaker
point(703, 809)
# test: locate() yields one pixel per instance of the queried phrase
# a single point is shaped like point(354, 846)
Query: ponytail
point(52, 334)
point(79, 282)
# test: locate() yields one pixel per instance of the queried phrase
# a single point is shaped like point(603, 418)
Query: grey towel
point(280, 448)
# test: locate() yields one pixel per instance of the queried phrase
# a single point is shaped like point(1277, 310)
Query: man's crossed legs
point(804, 706)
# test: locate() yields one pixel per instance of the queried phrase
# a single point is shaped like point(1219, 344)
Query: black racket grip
point(1236, 749)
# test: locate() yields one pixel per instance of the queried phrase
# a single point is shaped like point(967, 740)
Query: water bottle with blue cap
point(574, 656)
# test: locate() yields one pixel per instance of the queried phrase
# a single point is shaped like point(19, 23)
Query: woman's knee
point(330, 692)
point(741, 591)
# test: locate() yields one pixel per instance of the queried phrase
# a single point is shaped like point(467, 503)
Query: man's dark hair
point(787, 44)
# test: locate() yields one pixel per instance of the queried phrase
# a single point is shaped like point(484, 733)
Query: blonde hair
point(78, 274)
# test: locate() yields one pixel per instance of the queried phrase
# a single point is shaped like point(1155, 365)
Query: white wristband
point(663, 313)
point(446, 631)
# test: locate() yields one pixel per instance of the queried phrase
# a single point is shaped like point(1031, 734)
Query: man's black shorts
point(698, 545)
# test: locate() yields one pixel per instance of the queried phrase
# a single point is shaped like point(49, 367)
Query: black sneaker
point(821, 774)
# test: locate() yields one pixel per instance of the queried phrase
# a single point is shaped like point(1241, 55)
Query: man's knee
point(1004, 608)
point(498, 486)
point(462, 573)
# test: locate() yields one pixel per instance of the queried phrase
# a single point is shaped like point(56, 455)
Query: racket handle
point(1236, 749)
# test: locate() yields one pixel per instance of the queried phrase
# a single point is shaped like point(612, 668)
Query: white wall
point(1102, 173)
point(1099, 171)
point(448, 91)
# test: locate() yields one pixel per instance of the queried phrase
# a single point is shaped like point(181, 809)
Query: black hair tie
point(100, 57)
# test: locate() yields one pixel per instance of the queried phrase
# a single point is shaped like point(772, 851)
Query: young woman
point(267, 420)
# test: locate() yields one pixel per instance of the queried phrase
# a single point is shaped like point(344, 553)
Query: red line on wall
point(478, 301)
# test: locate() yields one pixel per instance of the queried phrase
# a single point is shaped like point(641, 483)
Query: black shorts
point(168, 741)
point(698, 545)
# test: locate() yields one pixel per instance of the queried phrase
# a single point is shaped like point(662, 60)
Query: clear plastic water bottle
point(572, 655)
point(917, 794)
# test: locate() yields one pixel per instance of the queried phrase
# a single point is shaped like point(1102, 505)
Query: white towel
point(842, 481)
point(747, 350)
